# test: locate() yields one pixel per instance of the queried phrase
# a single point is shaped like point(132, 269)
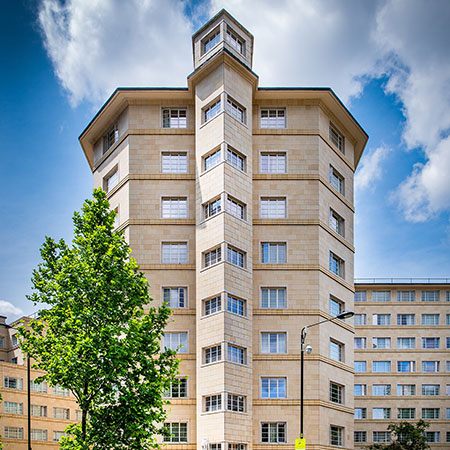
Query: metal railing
point(402, 280)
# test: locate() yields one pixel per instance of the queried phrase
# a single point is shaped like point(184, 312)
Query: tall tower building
point(237, 202)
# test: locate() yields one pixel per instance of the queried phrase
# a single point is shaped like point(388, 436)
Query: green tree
point(95, 339)
point(405, 436)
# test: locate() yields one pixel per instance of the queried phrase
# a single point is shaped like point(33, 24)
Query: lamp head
point(345, 315)
point(308, 349)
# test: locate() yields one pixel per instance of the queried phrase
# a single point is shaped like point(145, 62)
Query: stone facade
point(402, 354)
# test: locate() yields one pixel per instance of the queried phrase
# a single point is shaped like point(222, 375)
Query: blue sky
point(386, 59)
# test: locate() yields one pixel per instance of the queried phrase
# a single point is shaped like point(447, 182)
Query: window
point(336, 435)
point(336, 222)
point(213, 354)
point(447, 296)
point(235, 110)
point(406, 319)
point(381, 390)
point(273, 342)
point(235, 403)
point(174, 208)
point(447, 366)
point(447, 389)
point(430, 296)
point(406, 413)
point(381, 436)
point(235, 257)
point(447, 413)
point(212, 208)
point(174, 253)
point(38, 435)
point(406, 342)
point(447, 436)
point(273, 253)
point(274, 433)
point(381, 319)
point(175, 297)
point(235, 208)
point(78, 415)
point(360, 366)
point(38, 411)
point(61, 413)
point(273, 162)
point(212, 305)
point(235, 446)
point(174, 118)
point(236, 306)
point(336, 265)
point(13, 383)
point(405, 296)
point(57, 435)
point(337, 138)
point(430, 319)
point(176, 342)
point(430, 389)
point(40, 388)
point(111, 180)
point(116, 217)
point(406, 390)
point(236, 159)
point(336, 180)
point(360, 319)
point(336, 307)
point(212, 110)
point(381, 413)
point(360, 390)
point(13, 433)
point(430, 342)
point(2, 342)
point(273, 208)
point(213, 403)
point(212, 160)
point(360, 296)
point(235, 42)
point(273, 387)
point(406, 366)
point(360, 436)
point(381, 366)
point(15, 341)
point(14, 360)
point(336, 351)
point(447, 341)
point(13, 408)
point(360, 413)
point(381, 296)
point(172, 162)
point(336, 393)
point(381, 343)
point(273, 118)
point(360, 343)
point(59, 390)
point(213, 257)
point(432, 436)
point(273, 298)
point(110, 137)
point(236, 354)
point(211, 41)
point(430, 366)
point(177, 389)
point(430, 413)
point(177, 430)
point(447, 319)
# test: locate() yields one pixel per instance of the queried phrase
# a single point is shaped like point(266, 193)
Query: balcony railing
point(402, 280)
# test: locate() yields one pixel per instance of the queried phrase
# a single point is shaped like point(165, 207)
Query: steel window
point(381, 343)
point(381, 319)
point(273, 387)
point(13, 383)
point(174, 208)
point(360, 342)
point(236, 354)
point(13, 408)
point(273, 253)
point(336, 436)
point(213, 403)
point(174, 253)
point(213, 354)
point(211, 41)
point(381, 436)
point(112, 180)
point(13, 432)
point(234, 41)
point(273, 208)
point(174, 162)
point(212, 305)
point(274, 432)
point(236, 305)
point(235, 403)
point(432, 436)
point(273, 342)
point(360, 296)
point(38, 411)
point(174, 118)
point(177, 430)
point(430, 296)
point(430, 413)
point(360, 436)
point(273, 162)
point(360, 366)
point(175, 297)
point(381, 296)
point(273, 298)
point(176, 342)
point(360, 390)
point(430, 366)
point(360, 319)
point(61, 413)
point(110, 137)
point(336, 393)
point(38, 435)
point(336, 222)
point(273, 118)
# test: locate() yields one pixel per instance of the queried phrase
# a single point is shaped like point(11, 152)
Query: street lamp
point(308, 349)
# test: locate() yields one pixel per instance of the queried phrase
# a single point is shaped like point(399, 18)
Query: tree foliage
point(405, 436)
point(95, 339)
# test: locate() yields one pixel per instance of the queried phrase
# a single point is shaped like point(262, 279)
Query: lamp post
point(308, 349)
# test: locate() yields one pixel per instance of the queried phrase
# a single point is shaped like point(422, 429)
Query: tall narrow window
point(273, 162)
point(336, 393)
point(111, 180)
point(336, 307)
point(336, 180)
point(336, 222)
point(273, 253)
point(336, 265)
point(337, 138)
point(110, 137)
point(174, 208)
point(273, 118)
point(174, 118)
point(336, 436)
point(174, 253)
point(273, 208)
point(173, 162)
point(336, 351)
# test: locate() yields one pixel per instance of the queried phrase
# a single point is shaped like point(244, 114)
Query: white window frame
point(337, 181)
point(271, 248)
point(212, 110)
point(273, 208)
point(212, 159)
point(274, 300)
point(336, 138)
point(273, 162)
point(212, 305)
point(176, 341)
point(275, 385)
point(337, 222)
point(174, 117)
point(272, 118)
point(174, 208)
point(173, 293)
point(177, 252)
point(174, 162)
point(236, 110)
point(212, 257)
point(280, 338)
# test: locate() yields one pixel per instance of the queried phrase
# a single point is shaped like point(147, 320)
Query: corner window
point(212, 354)
point(212, 208)
point(336, 307)
point(236, 159)
point(336, 351)
point(336, 436)
point(336, 180)
point(236, 403)
point(211, 41)
point(236, 42)
point(212, 110)
point(273, 162)
point(336, 393)
point(236, 305)
point(211, 160)
point(235, 110)
point(212, 305)
point(337, 138)
point(213, 403)
point(235, 208)
point(110, 137)
point(236, 354)
point(273, 118)
point(336, 222)
point(336, 265)
point(174, 118)
point(213, 257)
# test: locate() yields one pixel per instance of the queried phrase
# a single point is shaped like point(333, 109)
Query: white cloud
point(98, 45)
point(8, 308)
point(370, 169)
